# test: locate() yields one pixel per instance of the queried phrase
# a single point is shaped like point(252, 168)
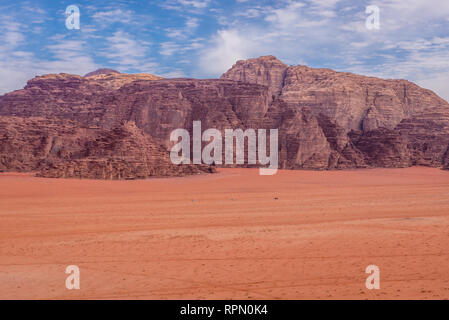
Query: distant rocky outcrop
point(65, 149)
point(115, 80)
point(102, 71)
point(326, 119)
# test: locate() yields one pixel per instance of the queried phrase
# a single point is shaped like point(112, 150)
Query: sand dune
point(232, 235)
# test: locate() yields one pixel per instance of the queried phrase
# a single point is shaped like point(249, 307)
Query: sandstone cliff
point(326, 119)
point(368, 122)
point(65, 149)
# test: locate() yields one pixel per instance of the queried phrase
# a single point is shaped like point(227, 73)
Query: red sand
point(225, 236)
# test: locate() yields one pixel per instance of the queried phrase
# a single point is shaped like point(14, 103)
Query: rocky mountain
point(62, 148)
point(366, 121)
point(326, 119)
point(267, 71)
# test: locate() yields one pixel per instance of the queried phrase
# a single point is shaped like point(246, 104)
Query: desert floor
point(232, 235)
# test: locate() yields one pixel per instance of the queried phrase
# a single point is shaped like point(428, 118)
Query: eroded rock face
point(326, 119)
point(65, 149)
point(116, 81)
point(267, 71)
point(368, 122)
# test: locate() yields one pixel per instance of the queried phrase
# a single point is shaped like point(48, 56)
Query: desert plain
point(230, 235)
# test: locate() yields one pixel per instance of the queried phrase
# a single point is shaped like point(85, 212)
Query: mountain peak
point(270, 58)
point(265, 70)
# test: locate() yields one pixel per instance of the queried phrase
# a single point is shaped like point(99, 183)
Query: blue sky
point(203, 38)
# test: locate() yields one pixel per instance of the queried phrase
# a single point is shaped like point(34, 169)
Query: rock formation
point(57, 148)
point(267, 71)
point(326, 119)
point(102, 71)
point(368, 122)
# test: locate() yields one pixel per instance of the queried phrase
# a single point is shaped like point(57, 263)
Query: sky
point(204, 38)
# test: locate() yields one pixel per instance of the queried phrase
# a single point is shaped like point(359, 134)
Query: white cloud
point(426, 63)
point(228, 46)
point(413, 11)
point(169, 48)
point(413, 42)
point(189, 28)
point(250, 13)
point(112, 16)
point(286, 33)
point(288, 16)
point(17, 66)
point(125, 51)
point(186, 5)
point(195, 3)
point(69, 56)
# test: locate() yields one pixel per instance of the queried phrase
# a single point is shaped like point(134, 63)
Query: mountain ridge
point(326, 119)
